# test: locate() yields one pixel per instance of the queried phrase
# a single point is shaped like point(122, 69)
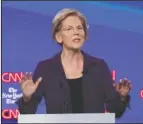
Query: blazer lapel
point(87, 82)
point(65, 90)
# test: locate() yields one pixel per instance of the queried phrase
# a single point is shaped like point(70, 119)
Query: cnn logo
point(9, 77)
point(10, 114)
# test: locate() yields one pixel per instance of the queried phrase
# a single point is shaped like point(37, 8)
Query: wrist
point(26, 99)
point(123, 98)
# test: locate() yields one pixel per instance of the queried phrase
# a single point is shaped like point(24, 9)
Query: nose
point(75, 31)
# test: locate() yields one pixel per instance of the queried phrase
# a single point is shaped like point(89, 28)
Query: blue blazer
point(98, 90)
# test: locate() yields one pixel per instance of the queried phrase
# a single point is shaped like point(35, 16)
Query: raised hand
point(28, 87)
point(123, 87)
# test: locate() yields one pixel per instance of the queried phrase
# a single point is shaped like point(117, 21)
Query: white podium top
point(67, 118)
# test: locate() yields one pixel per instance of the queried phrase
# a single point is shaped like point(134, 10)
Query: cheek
point(83, 34)
point(65, 36)
point(66, 39)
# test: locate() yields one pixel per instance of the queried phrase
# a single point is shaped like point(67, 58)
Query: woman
point(73, 81)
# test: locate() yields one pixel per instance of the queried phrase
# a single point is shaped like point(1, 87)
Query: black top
point(76, 95)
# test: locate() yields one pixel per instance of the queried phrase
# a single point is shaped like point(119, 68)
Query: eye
point(69, 29)
point(79, 27)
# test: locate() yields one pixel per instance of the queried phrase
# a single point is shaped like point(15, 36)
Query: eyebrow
point(76, 26)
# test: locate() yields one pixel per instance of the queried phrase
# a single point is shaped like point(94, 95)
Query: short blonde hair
point(63, 14)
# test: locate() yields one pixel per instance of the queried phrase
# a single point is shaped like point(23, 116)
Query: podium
point(67, 118)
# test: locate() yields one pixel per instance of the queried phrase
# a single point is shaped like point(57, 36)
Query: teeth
point(76, 40)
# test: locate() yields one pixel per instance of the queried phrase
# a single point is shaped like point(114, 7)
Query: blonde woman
point(73, 81)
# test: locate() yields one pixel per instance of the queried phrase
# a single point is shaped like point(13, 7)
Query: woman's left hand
point(123, 87)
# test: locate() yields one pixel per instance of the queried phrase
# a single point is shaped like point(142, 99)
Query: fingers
point(23, 79)
point(29, 84)
point(29, 75)
point(121, 83)
point(125, 84)
point(26, 76)
point(38, 82)
point(129, 85)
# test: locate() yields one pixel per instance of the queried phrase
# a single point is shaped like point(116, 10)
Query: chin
point(76, 48)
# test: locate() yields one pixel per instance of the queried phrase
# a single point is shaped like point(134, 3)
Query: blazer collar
point(88, 61)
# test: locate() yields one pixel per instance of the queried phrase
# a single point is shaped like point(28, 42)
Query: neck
point(71, 56)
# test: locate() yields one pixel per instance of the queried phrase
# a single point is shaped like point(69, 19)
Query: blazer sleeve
point(112, 98)
point(31, 106)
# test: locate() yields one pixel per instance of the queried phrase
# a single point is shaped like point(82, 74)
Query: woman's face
point(72, 34)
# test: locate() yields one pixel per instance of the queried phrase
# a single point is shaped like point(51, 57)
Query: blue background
point(115, 34)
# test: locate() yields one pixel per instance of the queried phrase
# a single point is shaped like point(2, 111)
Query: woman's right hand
point(28, 87)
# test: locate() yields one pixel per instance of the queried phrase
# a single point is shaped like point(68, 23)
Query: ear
point(58, 38)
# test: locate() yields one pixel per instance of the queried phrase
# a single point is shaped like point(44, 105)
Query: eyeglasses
point(71, 29)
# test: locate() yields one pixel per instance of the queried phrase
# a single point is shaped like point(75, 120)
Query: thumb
point(38, 81)
point(118, 87)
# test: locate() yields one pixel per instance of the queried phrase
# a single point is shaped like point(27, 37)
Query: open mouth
point(77, 40)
